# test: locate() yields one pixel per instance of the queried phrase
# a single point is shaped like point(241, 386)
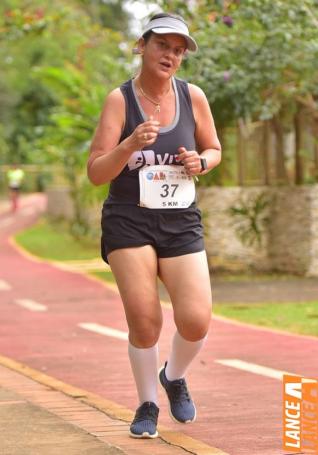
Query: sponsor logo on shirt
point(143, 158)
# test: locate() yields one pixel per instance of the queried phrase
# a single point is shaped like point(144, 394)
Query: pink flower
point(227, 20)
point(226, 76)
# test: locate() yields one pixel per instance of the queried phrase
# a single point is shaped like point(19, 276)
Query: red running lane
point(238, 411)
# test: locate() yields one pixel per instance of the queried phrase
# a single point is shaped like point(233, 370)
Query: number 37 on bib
point(165, 187)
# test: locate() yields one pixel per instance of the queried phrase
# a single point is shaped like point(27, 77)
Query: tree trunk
point(79, 222)
point(240, 155)
point(299, 171)
point(222, 170)
point(265, 147)
point(315, 133)
point(281, 172)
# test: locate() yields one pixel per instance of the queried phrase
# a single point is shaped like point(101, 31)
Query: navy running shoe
point(144, 424)
point(182, 409)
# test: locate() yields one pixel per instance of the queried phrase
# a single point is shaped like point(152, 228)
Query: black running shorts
point(170, 232)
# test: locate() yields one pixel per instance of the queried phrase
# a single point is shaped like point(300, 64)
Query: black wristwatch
point(204, 164)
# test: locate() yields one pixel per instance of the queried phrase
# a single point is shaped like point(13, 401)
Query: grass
point(299, 318)
point(54, 242)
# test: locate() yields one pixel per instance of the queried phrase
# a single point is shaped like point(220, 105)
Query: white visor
point(165, 25)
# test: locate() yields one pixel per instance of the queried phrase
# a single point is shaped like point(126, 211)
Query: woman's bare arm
point(107, 156)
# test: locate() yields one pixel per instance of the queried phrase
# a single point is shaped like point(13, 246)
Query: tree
point(107, 13)
point(257, 60)
point(64, 64)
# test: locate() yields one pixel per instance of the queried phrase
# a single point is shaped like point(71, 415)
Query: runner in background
point(15, 177)
point(155, 134)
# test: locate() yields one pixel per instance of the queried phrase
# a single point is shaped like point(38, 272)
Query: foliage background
point(60, 60)
point(258, 65)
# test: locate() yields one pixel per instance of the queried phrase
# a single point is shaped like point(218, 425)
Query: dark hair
point(148, 34)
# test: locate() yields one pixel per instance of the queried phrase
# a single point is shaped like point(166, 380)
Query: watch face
point(204, 164)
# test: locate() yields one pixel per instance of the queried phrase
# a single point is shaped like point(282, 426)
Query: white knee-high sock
point(144, 365)
point(181, 355)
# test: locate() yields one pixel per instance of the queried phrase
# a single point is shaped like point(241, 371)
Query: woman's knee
point(193, 327)
point(144, 332)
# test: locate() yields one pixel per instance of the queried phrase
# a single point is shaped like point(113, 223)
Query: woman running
point(155, 134)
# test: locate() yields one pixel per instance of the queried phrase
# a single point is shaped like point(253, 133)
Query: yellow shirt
point(15, 177)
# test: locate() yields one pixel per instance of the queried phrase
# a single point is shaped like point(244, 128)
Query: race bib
point(165, 187)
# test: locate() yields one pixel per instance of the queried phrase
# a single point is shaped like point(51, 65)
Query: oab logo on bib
point(166, 187)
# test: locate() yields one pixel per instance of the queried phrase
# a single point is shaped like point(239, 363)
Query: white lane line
point(4, 286)
point(254, 368)
point(30, 305)
point(103, 330)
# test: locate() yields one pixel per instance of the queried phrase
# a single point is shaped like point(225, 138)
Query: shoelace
point(145, 413)
point(179, 391)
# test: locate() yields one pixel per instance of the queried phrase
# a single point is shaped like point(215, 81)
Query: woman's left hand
point(191, 160)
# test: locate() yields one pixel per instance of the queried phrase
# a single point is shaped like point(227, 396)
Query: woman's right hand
point(145, 134)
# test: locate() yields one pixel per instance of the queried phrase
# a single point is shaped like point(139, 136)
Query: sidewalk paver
point(29, 428)
point(39, 420)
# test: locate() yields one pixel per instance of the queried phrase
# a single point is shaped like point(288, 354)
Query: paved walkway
point(37, 420)
point(289, 289)
point(68, 332)
point(53, 418)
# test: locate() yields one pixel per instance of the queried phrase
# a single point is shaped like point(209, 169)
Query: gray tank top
point(124, 189)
